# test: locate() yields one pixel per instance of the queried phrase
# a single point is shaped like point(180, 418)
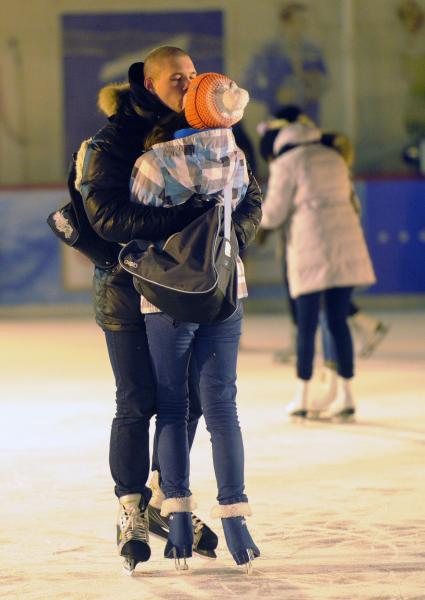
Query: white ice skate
point(368, 332)
point(336, 405)
point(298, 408)
point(319, 406)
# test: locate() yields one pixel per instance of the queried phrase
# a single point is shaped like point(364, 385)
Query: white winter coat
point(309, 190)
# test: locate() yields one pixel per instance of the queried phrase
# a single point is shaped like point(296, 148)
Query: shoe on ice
point(346, 413)
point(341, 406)
point(285, 355)
point(373, 340)
point(133, 531)
point(205, 540)
point(369, 331)
point(329, 394)
point(180, 538)
point(299, 405)
point(239, 541)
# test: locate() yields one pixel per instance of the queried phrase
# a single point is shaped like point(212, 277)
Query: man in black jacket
point(155, 89)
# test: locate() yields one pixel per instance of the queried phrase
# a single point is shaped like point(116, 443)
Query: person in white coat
point(310, 194)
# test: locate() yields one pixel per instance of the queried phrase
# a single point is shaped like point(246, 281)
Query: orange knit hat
point(214, 100)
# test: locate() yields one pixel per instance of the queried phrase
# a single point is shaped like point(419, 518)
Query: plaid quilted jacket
point(202, 163)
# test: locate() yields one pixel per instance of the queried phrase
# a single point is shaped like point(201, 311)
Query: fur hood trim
point(111, 97)
point(79, 163)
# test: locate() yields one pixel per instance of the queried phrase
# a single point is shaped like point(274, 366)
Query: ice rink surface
point(339, 509)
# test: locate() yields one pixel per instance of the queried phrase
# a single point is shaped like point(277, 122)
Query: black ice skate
point(240, 542)
point(133, 532)
point(180, 539)
point(205, 540)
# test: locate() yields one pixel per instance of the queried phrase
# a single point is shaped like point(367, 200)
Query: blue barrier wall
point(394, 224)
point(32, 264)
point(31, 261)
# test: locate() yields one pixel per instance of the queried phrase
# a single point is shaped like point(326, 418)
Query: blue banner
point(99, 48)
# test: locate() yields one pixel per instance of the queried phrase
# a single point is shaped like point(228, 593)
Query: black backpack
point(193, 276)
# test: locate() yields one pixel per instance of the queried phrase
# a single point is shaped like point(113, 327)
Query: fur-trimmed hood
point(112, 97)
point(296, 133)
point(132, 98)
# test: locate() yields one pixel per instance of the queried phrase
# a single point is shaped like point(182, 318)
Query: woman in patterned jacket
point(204, 158)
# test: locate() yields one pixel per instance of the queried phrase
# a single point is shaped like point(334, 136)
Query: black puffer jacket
point(105, 182)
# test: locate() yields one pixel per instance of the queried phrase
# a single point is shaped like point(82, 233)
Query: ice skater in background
point(368, 331)
point(310, 193)
point(196, 152)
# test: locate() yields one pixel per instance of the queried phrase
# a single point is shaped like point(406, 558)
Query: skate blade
point(298, 416)
point(204, 554)
point(180, 563)
point(344, 417)
point(128, 567)
point(249, 566)
point(328, 417)
point(319, 415)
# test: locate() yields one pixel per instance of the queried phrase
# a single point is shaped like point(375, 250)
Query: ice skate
point(298, 408)
point(338, 408)
point(284, 355)
point(205, 540)
point(240, 542)
point(287, 354)
point(133, 532)
point(344, 414)
point(369, 333)
point(180, 539)
point(319, 406)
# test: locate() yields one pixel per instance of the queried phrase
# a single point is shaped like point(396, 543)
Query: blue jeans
point(214, 349)
point(135, 405)
point(339, 345)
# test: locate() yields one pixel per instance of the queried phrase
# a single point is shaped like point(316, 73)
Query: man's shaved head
point(152, 64)
point(167, 74)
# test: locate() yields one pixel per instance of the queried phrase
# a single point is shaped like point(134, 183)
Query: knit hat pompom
point(214, 100)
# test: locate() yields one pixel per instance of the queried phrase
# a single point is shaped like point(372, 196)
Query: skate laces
point(134, 524)
point(197, 524)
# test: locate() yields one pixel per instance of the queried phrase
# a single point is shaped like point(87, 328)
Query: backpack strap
point(227, 192)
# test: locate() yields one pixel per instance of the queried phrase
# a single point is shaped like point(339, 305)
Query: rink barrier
point(38, 271)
